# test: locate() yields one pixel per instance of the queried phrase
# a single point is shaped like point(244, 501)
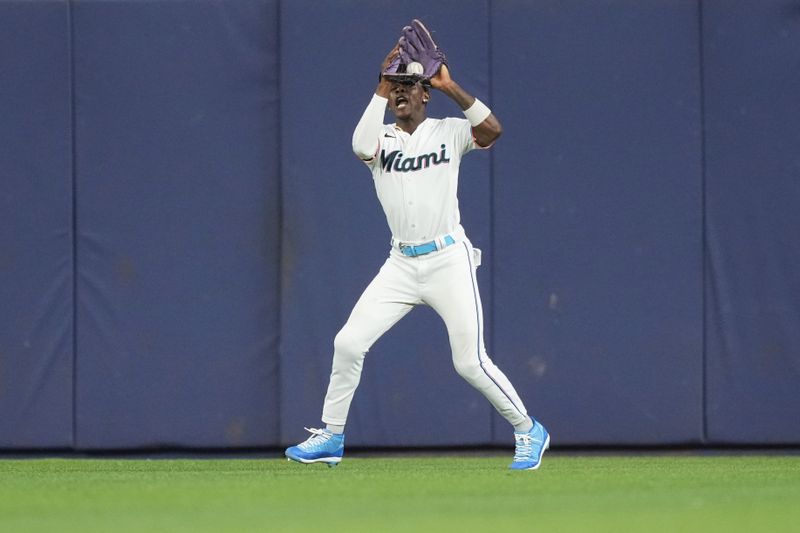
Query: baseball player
point(414, 164)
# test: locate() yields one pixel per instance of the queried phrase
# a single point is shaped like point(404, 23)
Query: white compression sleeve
point(365, 136)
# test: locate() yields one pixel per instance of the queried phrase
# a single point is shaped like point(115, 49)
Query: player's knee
point(469, 369)
point(348, 344)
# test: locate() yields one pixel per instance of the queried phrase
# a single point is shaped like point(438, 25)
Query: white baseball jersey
point(416, 177)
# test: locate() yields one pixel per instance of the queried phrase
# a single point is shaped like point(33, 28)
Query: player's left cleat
point(530, 448)
point(321, 447)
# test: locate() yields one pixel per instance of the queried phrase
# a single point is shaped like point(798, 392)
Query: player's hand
point(442, 79)
point(390, 57)
point(384, 87)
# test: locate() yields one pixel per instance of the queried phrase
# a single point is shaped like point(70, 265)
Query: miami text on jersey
point(395, 161)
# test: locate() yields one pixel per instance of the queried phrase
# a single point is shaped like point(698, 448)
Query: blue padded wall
point(597, 189)
point(335, 233)
point(178, 215)
point(36, 355)
point(180, 175)
point(752, 83)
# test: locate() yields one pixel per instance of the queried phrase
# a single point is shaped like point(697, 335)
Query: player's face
point(407, 101)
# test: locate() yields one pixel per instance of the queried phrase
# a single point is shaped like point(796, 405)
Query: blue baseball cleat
point(321, 447)
point(530, 448)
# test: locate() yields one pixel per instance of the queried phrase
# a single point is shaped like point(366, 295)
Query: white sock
point(336, 430)
point(524, 427)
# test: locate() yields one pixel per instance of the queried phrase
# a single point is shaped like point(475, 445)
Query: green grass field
point(569, 493)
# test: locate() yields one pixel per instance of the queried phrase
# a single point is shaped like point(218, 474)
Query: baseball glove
point(416, 45)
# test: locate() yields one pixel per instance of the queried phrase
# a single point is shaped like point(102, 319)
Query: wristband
point(477, 112)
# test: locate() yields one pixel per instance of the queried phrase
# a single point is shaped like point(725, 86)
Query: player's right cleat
point(530, 448)
point(321, 447)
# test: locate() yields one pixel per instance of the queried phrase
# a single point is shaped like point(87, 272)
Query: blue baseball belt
point(426, 248)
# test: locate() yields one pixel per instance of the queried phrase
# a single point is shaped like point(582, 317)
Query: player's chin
point(402, 112)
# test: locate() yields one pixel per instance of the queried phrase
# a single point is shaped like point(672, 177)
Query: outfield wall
point(183, 227)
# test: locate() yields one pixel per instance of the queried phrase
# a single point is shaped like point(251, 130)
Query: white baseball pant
point(444, 280)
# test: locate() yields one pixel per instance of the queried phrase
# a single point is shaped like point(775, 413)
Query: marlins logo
point(394, 161)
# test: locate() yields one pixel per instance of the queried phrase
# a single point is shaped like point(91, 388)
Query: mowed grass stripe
point(653, 493)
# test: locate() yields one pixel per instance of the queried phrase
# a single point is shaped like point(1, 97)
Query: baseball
point(414, 68)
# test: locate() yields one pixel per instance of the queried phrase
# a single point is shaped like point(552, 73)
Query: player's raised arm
point(418, 45)
point(365, 136)
point(485, 126)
